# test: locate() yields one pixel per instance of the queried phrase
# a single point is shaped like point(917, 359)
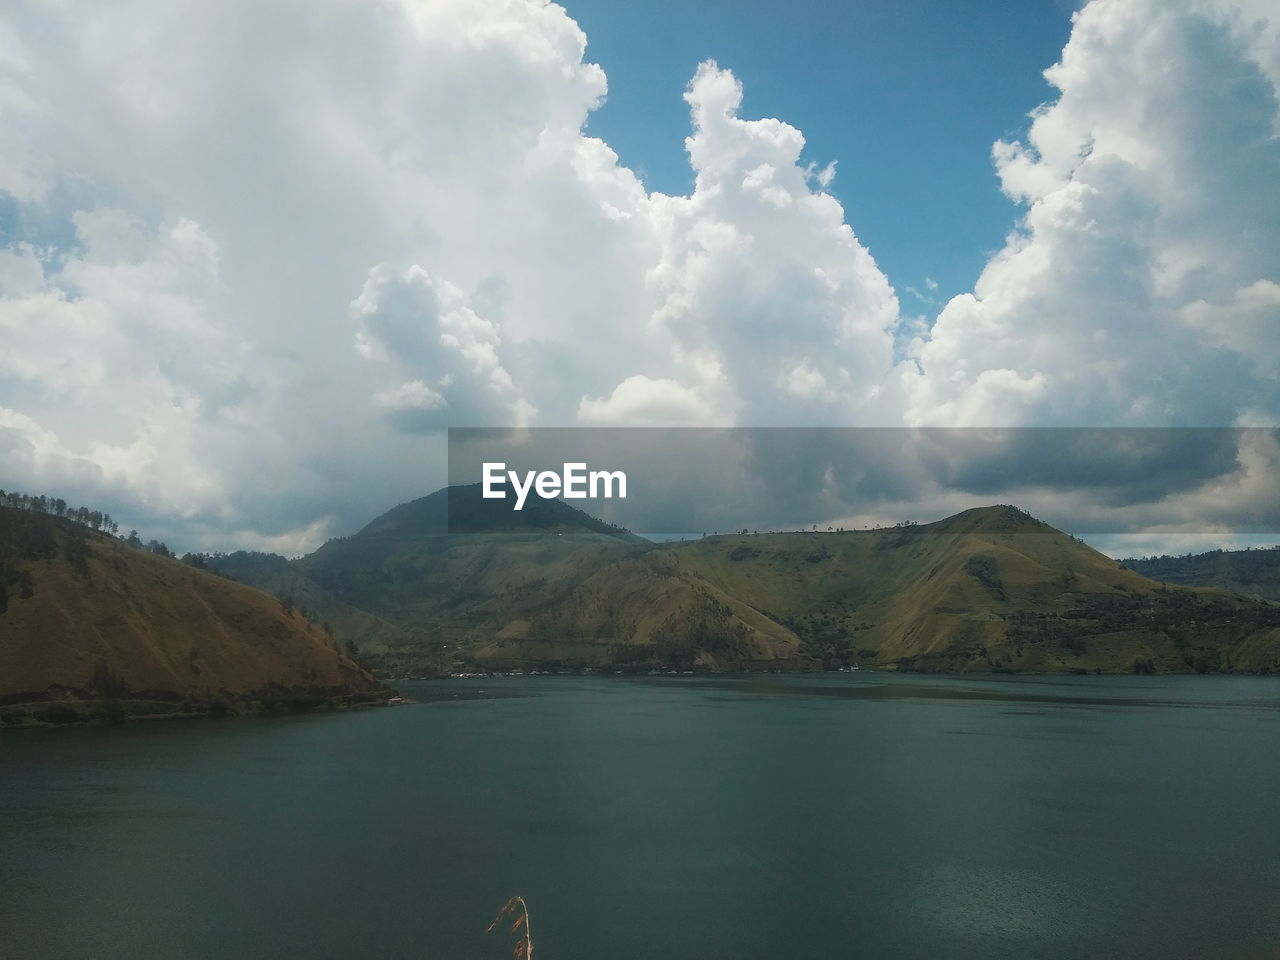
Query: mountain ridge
point(1253, 573)
point(99, 630)
point(990, 588)
point(463, 509)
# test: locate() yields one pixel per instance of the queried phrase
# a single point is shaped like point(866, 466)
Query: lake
point(657, 818)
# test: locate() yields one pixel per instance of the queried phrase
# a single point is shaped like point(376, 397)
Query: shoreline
point(50, 713)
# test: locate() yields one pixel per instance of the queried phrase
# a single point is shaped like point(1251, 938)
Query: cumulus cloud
point(260, 254)
point(642, 401)
point(215, 205)
point(1137, 288)
point(424, 330)
point(112, 356)
point(1246, 324)
point(773, 311)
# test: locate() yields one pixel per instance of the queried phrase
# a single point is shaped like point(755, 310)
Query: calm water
point(844, 816)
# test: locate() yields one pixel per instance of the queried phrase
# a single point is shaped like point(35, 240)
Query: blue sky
point(907, 95)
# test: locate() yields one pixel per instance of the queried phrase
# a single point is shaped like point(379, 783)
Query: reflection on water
point(464, 690)
point(674, 817)
point(1016, 690)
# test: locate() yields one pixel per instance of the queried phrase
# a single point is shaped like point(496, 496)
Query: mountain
point(448, 590)
point(989, 589)
point(648, 611)
point(276, 575)
point(91, 628)
point(1254, 573)
point(463, 509)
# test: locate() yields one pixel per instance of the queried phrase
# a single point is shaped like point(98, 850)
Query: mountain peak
point(996, 518)
point(463, 509)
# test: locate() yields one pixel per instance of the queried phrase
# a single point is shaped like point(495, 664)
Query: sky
point(256, 258)
point(905, 95)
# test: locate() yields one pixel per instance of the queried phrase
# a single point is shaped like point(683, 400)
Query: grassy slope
point(150, 632)
point(282, 578)
point(461, 588)
point(646, 610)
point(1251, 572)
point(987, 589)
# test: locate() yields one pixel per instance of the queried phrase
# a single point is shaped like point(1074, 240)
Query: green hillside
point(1255, 573)
point(281, 578)
point(91, 628)
point(645, 611)
point(449, 591)
point(463, 510)
point(989, 589)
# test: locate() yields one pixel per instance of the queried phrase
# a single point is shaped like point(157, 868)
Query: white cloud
point(111, 351)
point(423, 328)
point(1245, 324)
point(1138, 287)
point(292, 239)
point(642, 401)
point(759, 276)
point(411, 395)
point(230, 178)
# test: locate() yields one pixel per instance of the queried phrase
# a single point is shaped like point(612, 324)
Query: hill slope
point(446, 589)
point(1255, 573)
point(283, 578)
point(988, 589)
point(646, 611)
point(464, 510)
point(92, 628)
